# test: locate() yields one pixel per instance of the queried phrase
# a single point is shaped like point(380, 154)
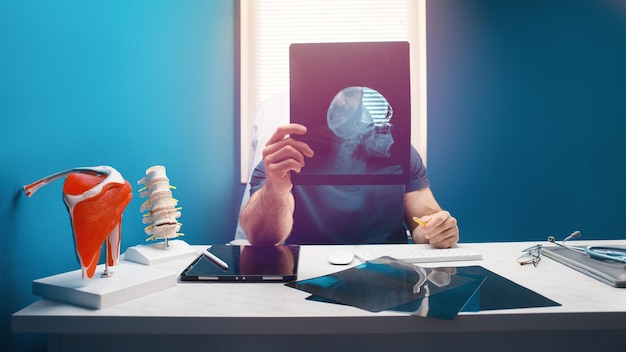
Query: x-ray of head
point(355, 100)
point(361, 118)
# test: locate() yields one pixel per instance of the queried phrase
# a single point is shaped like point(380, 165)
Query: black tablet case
point(246, 264)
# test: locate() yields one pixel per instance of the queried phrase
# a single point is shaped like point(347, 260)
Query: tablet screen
point(246, 264)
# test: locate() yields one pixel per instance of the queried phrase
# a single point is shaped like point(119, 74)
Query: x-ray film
point(390, 284)
point(355, 100)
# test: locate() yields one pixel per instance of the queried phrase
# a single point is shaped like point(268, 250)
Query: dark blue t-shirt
point(332, 214)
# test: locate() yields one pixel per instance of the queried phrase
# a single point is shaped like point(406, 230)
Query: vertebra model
point(162, 212)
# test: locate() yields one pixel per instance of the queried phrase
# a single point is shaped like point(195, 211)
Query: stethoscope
point(616, 254)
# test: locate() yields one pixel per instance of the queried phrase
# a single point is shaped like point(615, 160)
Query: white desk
point(271, 316)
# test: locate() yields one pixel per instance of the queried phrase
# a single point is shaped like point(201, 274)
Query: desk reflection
point(266, 260)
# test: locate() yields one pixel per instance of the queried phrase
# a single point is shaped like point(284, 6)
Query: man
point(279, 212)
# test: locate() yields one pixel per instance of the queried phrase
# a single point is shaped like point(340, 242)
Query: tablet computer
point(355, 100)
point(245, 264)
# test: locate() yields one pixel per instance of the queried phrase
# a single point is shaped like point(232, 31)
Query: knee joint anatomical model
point(96, 198)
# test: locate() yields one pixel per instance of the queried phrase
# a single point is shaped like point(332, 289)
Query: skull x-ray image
point(354, 99)
point(360, 117)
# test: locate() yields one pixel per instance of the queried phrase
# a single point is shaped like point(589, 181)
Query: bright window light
point(268, 27)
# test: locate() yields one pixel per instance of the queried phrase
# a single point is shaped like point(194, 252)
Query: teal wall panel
point(128, 84)
point(526, 116)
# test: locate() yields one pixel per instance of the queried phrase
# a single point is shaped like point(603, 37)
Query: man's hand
point(283, 154)
point(268, 216)
point(441, 229)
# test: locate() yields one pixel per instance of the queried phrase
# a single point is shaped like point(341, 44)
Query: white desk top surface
point(271, 308)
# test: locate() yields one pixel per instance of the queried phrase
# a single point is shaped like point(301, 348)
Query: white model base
point(156, 253)
point(128, 281)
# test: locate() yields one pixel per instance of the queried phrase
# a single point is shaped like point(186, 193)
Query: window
point(268, 27)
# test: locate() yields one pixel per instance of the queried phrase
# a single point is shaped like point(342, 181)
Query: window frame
point(246, 59)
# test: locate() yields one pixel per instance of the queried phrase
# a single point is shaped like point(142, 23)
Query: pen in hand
point(420, 222)
point(222, 264)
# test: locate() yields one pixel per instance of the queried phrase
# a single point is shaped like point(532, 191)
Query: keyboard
point(417, 255)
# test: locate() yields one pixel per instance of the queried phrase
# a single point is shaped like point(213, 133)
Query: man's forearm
point(267, 218)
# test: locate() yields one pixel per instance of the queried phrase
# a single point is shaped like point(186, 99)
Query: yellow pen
point(420, 222)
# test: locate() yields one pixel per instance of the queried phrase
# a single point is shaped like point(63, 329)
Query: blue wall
point(123, 83)
point(527, 115)
point(526, 110)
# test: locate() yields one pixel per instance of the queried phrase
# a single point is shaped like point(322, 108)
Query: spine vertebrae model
point(162, 213)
